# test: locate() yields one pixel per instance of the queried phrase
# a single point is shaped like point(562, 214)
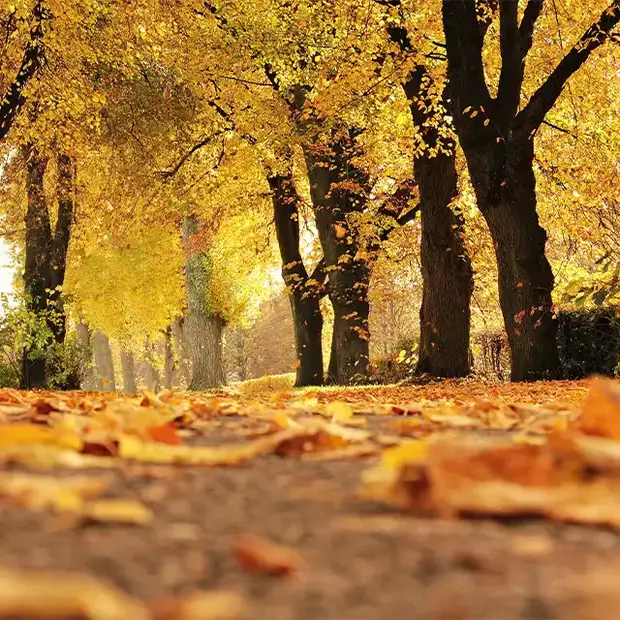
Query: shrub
point(400, 366)
point(589, 342)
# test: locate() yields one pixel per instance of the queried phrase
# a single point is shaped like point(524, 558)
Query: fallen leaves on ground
point(44, 594)
point(258, 554)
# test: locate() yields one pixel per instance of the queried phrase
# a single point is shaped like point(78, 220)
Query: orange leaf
point(164, 434)
point(259, 554)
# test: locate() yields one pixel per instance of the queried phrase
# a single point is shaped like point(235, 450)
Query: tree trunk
point(60, 242)
point(169, 365)
point(337, 189)
point(129, 372)
point(304, 291)
point(104, 362)
point(151, 374)
point(90, 380)
point(447, 274)
point(182, 354)
point(203, 327)
point(204, 339)
point(497, 138)
point(525, 276)
point(37, 274)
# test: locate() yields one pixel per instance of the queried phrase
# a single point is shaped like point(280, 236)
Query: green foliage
point(589, 342)
point(22, 329)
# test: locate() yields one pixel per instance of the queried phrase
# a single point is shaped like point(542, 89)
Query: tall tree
point(497, 136)
point(305, 291)
point(46, 255)
point(203, 326)
point(447, 274)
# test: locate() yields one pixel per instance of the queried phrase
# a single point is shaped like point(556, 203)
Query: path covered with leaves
point(447, 501)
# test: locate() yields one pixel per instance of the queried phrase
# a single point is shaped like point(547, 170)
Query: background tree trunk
point(90, 380)
point(151, 373)
point(129, 372)
point(304, 291)
point(169, 365)
point(182, 353)
point(203, 327)
point(104, 362)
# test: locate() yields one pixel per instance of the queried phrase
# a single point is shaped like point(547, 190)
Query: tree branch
point(511, 74)
point(526, 28)
point(14, 98)
point(545, 97)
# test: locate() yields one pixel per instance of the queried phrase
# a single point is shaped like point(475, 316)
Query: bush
point(589, 342)
point(491, 354)
point(400, 366)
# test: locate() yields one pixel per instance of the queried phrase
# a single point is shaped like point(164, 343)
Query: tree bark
point(203, 327)
point(37, 270)
point(129, 372)
point(169, 365)
point(498, 143)
point(447, 275)
point(182, 354)
point(337, 189)
point(90, 380)
point(304, 291)
point(151, 374)
point(60, 241)
point(104, 362)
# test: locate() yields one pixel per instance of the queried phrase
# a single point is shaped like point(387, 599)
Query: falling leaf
point(258, 554)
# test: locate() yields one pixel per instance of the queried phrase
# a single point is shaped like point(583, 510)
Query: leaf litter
point(446, 450)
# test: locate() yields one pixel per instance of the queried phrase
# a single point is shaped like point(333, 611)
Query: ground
point(290, 524)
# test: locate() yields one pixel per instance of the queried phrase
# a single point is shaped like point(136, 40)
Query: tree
point(305, 291)
point(497, 138)
point(46, 255)
point(446, 268)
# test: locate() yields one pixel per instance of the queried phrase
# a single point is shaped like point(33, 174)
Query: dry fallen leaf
point(201, 606)
point(36, 595)
point(261, 555)
point(601, 410)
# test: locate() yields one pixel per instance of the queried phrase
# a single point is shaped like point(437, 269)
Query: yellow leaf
point(407, 452)
point(339, 412)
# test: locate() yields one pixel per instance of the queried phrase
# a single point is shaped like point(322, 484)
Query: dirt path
point(361, 559)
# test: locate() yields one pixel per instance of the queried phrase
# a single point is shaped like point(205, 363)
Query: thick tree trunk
point(104, 362)
point(90, 380)
point(525, 276)
point(446, 269)
point(37, 271)
point(129, 372)
point(497, 138)
point(203, 327)
point(337, 189)
point(182, 354)
point(304, 291)
point(446, 273)
point(204, 338)
point(60, 242)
